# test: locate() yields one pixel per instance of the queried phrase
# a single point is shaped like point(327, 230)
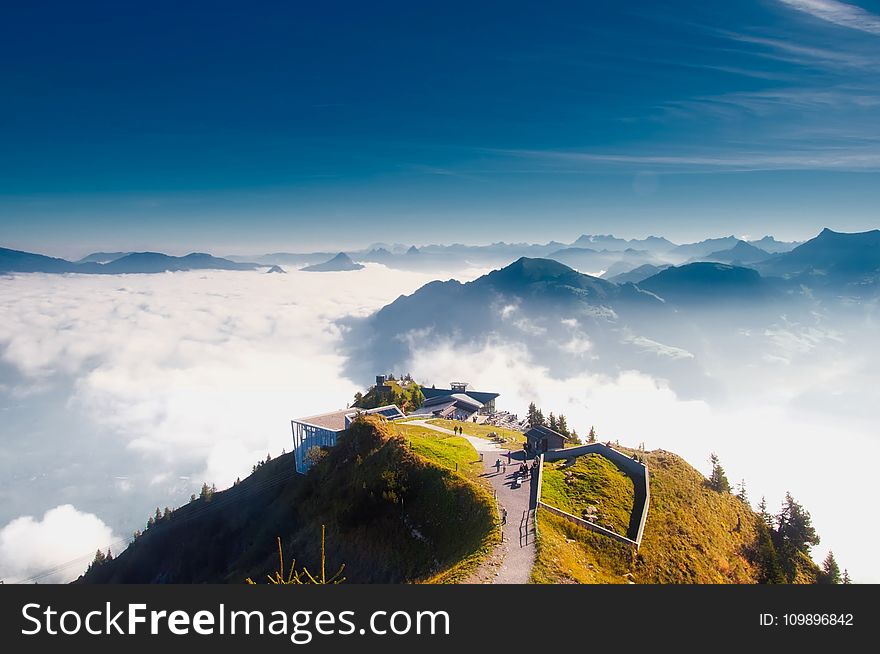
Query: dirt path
point(513, 560)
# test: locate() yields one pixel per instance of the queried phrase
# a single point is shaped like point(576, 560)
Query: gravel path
point(516, 554)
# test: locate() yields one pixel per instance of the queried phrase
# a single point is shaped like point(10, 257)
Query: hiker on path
point(508, 456)
point(497, 465)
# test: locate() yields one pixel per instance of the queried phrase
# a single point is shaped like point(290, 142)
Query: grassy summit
point(591, 486)
point(693, 534)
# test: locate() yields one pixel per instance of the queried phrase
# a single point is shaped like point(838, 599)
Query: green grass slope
point(591, 485)
point(693, 534)
point(513, 439)
point(392, 515)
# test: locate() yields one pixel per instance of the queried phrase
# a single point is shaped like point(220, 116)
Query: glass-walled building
point(324, 429)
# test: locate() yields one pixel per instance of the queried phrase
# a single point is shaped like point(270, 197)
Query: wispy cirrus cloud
point(804, 54)
point(838, 13)
point(699, 161)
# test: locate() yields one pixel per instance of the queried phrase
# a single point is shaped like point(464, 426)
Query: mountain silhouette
point(135, 262)
point(692, 251)
point(537, 301)
point(340, 263)
point(156, 262)
point(707, 282)
point(741, 253)
point(831, 259)
point(636, 275)
point(102, 257)
point(771, 245)
point(17, 261)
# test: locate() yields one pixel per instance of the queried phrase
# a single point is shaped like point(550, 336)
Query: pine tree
point(562, 425)
point(764, 553)
point(766, 518)
point(796, 525)
point(533, 415)
point(591, 438)
point(845, 579)
point(718, 481)
point(741, 492)
point(553, 424)
point(830, 573)
point(575, 438)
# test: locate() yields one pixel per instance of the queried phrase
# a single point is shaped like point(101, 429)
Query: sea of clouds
point(119, 394)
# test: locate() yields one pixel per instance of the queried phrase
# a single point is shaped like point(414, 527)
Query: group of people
point(524, 470)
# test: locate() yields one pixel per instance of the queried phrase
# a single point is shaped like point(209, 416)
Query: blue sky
point(289, 126)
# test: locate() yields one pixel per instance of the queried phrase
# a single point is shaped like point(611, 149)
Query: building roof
point(542, 431)
point(457, 398)
point(479, 396)
point(431, 409)
point(338, 420)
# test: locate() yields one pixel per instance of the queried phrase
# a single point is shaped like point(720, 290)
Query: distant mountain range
point(829, 261)
point(592, 253)
point(653, 317)
point(131, 262)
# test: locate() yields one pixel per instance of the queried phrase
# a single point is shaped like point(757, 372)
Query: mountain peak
point(340, 263)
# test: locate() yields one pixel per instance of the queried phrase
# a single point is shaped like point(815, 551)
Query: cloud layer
point(52, 547)
point(142, 387)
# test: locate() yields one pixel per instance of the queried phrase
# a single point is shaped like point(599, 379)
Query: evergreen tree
point(845, 579)
point(741, 492)
point(208, 491)
point(539, 418)
point(533, 415)
point(718, 481)
point(830, 573)
point(562, 425)
point(766, 518)
point(553, 424)
point(764, 554)
point(796, 526)
point(591, 438)
point(575, 438)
